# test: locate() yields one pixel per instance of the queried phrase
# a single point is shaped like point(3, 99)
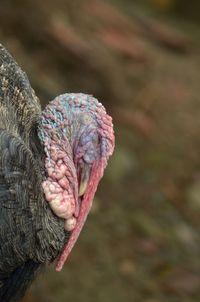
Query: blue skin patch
point(76, 116)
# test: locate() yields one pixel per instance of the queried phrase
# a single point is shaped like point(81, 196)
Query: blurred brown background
point(142, 60)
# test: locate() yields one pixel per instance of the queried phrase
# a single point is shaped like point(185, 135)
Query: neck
point(50, 229)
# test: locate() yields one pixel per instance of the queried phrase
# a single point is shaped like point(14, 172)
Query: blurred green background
point(141, 59)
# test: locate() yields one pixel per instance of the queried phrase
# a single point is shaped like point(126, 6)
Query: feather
point(30, 234)
point(50, 165)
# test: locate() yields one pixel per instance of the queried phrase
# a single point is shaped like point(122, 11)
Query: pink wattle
point(62, 197)
point(96, 174)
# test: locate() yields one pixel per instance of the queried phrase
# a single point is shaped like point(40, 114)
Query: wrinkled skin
point(50, 165)
point(78, 138)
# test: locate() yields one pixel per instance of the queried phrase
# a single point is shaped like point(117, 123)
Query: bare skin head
point(78, 139)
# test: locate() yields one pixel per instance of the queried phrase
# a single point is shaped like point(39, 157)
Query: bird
point(51, 162)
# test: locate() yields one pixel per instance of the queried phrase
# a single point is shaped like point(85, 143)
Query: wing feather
point(30, 234)
point(17, 99)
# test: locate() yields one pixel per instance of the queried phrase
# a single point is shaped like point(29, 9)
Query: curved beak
point(84, 180)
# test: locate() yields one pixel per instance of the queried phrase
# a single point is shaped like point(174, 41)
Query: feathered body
point(50, 166)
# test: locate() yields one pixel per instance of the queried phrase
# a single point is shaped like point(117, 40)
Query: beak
point(85, 176)
point(90, 178)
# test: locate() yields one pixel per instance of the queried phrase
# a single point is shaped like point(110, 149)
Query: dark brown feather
point(30, 234)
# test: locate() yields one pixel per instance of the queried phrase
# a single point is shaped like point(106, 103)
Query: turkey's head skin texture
point(78, 139)
point(50, 165)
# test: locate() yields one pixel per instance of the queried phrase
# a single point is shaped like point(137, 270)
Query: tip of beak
point(85, 175)
point(82, 188)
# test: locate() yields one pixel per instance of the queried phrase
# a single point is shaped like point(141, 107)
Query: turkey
point(51, 162)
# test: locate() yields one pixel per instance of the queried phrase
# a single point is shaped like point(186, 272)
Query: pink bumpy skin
point(78, 139)
point(57, 189)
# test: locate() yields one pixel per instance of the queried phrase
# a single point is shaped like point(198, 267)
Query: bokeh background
point(141, 59)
